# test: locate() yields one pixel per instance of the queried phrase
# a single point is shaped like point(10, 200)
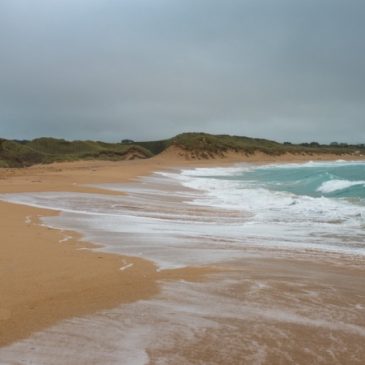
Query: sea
point(286, 240)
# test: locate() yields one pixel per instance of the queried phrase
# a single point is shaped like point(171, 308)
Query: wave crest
point(336, 185)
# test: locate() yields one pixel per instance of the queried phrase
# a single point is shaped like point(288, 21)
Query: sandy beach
point(182, 183)
point(47, 275)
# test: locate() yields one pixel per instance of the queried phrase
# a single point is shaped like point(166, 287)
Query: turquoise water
point(291, 236)
point(333, 180)
point(314, 205)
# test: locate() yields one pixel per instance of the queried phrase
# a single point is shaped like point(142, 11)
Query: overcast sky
point(149, 69)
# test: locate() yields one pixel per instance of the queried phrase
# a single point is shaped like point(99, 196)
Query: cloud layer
point(142, 69)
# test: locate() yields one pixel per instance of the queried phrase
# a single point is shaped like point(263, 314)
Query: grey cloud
point(281, 69)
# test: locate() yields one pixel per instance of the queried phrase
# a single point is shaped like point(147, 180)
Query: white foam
point(336, 163)
point(125, 265)
point(159, 330)
point(218, 171)
point(336, 185)
point(65, 239)
point(167, 225)
point(268, 205)
point(150, 222)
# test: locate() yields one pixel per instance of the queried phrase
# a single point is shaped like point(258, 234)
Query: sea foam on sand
point(289, 288)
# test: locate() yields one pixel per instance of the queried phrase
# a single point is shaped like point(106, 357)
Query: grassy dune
point(199, 145)
point(47, 150)
point(203, 145)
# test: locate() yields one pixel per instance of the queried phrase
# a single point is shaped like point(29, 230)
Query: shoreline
point(56, 278)
point(52, 280)
point(46, 274)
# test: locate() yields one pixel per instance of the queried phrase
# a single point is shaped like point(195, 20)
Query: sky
point(288, 70)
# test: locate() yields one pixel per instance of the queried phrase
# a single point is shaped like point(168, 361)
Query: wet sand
point(289, 310)
point(46, 275)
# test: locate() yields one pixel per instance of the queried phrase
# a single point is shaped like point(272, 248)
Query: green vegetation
point(203, 145)
point(47, 150)
point(198, 145)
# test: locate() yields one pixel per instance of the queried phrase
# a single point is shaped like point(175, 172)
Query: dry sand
point(44, 278)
